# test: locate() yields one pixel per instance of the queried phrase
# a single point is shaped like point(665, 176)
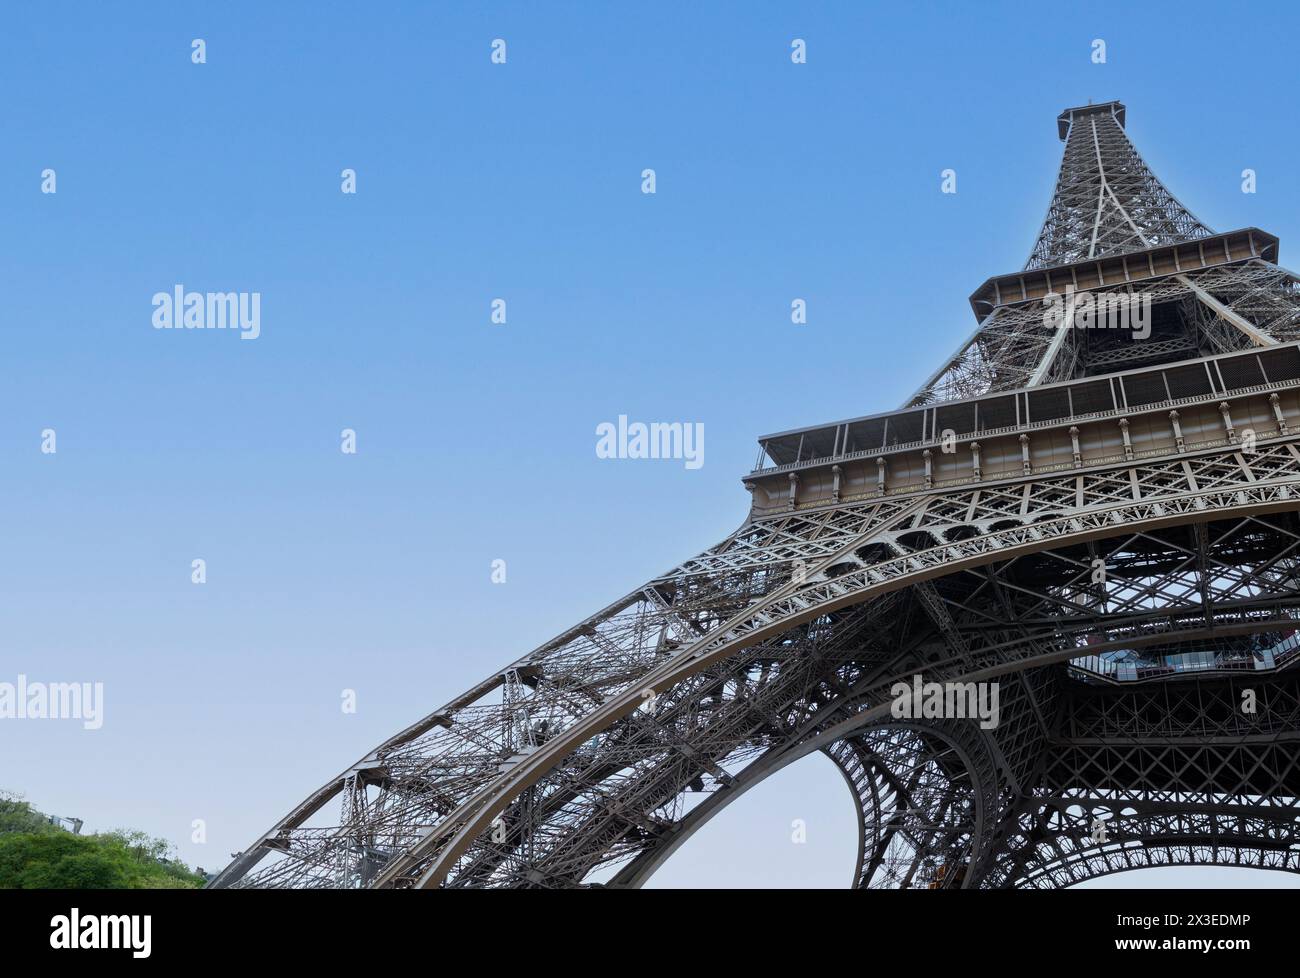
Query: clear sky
point(475, 441)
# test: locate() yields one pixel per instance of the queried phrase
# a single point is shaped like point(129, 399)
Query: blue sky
point(475, 442)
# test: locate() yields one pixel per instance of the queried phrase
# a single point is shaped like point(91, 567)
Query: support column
point(1226, 411)
point(912, 836)
point(1276, 402)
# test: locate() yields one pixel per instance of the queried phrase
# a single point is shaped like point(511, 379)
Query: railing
point(1124, 412)
point(1094, 667)
point(993, 477)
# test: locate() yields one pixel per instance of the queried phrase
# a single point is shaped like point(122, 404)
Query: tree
point(37, 855)
point(56, 861)
point(16, 815)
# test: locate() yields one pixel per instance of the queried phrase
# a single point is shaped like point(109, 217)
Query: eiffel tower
point(1101, 521)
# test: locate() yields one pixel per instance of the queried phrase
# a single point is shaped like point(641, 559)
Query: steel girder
point(1055, 847)
point(1032, 755)
point(926, 798)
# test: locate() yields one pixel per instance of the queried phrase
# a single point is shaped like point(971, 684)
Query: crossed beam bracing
point(1107, 201)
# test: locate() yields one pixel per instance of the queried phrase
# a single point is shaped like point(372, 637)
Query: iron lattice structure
point(958, 539)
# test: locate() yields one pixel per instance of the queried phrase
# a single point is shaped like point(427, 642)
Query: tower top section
point(1115, 234)
point(1064, 120)
point(1107, 201)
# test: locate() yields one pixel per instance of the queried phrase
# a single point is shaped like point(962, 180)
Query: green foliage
point(155, 859)
point(17, 816)
point(37, 855)
point(58, 861)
